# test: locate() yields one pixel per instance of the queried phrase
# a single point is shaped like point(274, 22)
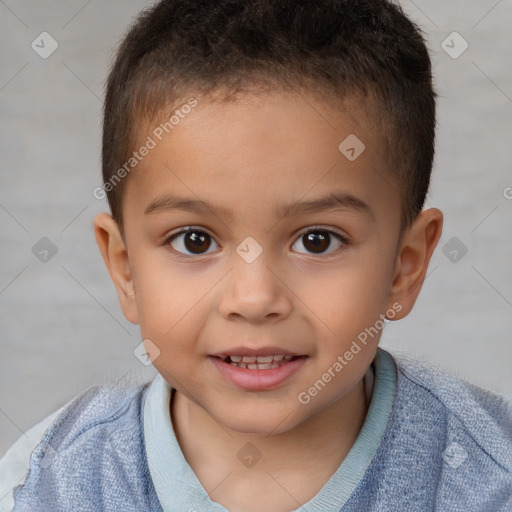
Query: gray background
point(62, 327)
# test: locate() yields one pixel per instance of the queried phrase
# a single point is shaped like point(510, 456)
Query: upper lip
point(263, 351)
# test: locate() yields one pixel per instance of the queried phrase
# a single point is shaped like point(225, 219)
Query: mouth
point(267, 362)
point(258, 372)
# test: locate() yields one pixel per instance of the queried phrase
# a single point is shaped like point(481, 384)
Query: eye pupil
point(318, 240)
point(194, 241)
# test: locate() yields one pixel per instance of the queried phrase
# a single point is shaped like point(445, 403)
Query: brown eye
point(193, 241)
point(319, 240)
point(190, 241)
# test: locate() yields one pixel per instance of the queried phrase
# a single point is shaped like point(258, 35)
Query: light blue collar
point(179, 490)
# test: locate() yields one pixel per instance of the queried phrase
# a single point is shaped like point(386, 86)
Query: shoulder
point(447, 446)
point(482, 416)
point(14, 464)
point(97, 414)
point(95, 409)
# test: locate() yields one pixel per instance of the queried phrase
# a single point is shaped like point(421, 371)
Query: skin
point(251, 156)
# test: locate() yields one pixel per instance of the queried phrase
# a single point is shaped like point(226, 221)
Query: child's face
point(212, 292)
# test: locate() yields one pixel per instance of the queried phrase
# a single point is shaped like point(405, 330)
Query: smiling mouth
point(258, 362)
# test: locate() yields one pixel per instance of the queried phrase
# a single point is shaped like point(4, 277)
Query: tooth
point(259, 362)
point(264, 359)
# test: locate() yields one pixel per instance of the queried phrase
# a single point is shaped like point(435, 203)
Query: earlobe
point(115, 256)
point(413, 258)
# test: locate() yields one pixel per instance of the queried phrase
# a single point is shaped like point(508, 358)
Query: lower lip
point(258, 380)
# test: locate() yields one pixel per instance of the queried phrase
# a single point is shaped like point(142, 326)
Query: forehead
point(258, 154)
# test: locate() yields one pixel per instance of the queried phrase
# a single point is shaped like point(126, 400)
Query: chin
point(259, 424)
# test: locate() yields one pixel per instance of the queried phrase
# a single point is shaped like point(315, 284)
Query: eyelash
point(313, 229)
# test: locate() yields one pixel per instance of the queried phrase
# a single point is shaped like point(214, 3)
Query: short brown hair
point(339, 47)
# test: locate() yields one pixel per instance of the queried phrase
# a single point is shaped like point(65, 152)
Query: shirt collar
point(178, 488)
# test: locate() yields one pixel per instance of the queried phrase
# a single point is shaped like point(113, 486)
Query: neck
point(319, 444)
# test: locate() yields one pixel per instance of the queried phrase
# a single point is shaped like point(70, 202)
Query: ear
point(415, 250)
point(115, 256)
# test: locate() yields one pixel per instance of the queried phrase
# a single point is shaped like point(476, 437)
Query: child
point(252, 128)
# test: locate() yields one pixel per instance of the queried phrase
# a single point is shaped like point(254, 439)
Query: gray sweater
point(430, 442)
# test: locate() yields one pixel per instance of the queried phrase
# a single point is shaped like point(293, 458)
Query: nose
point(255, 292)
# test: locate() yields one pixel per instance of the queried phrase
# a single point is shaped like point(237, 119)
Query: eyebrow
point(332, 201)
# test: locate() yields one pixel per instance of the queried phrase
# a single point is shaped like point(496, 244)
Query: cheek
point(345, 304)
point(174, 305)
point(348, 296)
point(163, 296)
